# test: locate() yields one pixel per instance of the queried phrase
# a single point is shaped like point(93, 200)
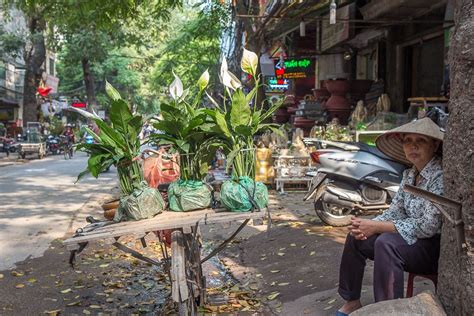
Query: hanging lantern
point(332, 12)
point(302, 28)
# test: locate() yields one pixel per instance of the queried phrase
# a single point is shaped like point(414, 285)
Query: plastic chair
point(411, 278)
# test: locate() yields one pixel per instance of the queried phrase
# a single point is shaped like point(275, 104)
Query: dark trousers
point(392, 256)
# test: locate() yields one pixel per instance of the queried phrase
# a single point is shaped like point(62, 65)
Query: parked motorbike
point(352, 179)
point(52, 144)
point(8, 145)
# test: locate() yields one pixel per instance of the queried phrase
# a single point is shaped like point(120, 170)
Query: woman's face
point(419, 149)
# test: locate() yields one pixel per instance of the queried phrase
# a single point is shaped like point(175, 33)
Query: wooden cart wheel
point(187, 286)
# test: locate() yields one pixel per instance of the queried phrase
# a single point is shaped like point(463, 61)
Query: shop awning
point(4, 102)
point(362, 39)
point(399, 8)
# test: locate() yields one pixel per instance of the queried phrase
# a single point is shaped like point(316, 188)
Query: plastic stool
point(411, 278)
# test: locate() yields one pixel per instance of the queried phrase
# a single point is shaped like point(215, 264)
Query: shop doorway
point(424, 64)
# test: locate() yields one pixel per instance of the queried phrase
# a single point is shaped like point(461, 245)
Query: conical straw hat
point(390, 143)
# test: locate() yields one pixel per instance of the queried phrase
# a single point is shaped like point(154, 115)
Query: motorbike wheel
point(332, 214)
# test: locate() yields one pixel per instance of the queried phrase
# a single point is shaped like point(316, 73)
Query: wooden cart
point(185, 265)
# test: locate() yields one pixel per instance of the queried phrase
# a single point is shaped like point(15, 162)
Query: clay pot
point(321, 94)
point(281, 116)
point(111, 205)
point(110, 208)
point(338, 105)
point(110, 214)
point(303, 123)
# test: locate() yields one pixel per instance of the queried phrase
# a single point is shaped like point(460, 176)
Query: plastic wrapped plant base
point(143, 203)
point(243, 194)
point(190, 195)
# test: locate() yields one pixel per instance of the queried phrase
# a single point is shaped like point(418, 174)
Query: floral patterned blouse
point(415, 217)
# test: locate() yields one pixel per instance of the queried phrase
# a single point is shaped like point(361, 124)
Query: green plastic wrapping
point(143, 203)
point(190, 195)
point(237, 195)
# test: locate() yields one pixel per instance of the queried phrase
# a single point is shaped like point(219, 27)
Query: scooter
point(52, 144)
point(351, 179)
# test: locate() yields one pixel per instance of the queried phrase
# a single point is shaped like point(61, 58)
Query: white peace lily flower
point(203, 81)
point(249, 62)
point(234, 81)
point(176, 88)
point(224, 75)
point(86, 113)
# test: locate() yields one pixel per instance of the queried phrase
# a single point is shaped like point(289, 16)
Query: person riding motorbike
point(69, 134)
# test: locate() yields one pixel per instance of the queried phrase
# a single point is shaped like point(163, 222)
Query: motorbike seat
point(374, 151)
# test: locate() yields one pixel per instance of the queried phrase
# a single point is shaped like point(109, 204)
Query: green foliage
point(238, 125)
point(188, 129)
point(56, 126)
point(117, 144)
point(191, 44)
point(10, 43)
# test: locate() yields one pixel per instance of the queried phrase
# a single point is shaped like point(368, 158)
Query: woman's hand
point(362, 228)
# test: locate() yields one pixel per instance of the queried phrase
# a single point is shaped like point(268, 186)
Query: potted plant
point(118, 145)
point(238, 120)
point(188, 129)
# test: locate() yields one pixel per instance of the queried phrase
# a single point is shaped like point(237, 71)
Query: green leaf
point(221, 122)
point(120, 115)
point(244, 130)
point(240, 112)
point(111, 92)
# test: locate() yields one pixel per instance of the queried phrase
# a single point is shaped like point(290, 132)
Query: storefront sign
point(294, 68)
point(272, 84)
point(334, 34)
point(52, 82)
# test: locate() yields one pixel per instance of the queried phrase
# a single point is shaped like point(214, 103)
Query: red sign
point(78, 105)
point(44, 91)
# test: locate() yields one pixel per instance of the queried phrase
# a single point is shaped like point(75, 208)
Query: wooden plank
point(151, 225)
point(98, 235)
point(142, 227)
point(179, 287)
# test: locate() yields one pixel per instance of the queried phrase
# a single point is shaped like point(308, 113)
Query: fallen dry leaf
point(17, 274)
point(281, 254)
point(74, 303)
point(273, 296)
point(20, 286)
point(86, 312)
point(104, 265)
point(275, 271)
point(293, 245)
point(331, 301)
point(283, 284)
point(53, 313)
point(312, 253)
point(66, 291)
point(327, 307)
point(31, 280)
point(1, 276)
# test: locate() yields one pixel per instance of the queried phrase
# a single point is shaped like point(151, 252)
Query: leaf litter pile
point(105, 280)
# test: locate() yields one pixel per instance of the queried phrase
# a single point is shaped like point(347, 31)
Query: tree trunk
point(35, 56)
point(456, 268)
point(89, 83)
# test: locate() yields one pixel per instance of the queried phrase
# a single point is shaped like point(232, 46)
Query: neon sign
point(274, 84)
point(294, 68)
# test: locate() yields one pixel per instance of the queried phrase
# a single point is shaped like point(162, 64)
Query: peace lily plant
point(241, 117)
point(187, 128)
point(117, 144)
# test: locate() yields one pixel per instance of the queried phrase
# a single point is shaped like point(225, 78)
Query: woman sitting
point(406, 236)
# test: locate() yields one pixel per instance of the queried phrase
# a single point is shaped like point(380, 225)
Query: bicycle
point(66, 147)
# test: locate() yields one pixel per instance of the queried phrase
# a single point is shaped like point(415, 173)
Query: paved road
point(38, 201)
